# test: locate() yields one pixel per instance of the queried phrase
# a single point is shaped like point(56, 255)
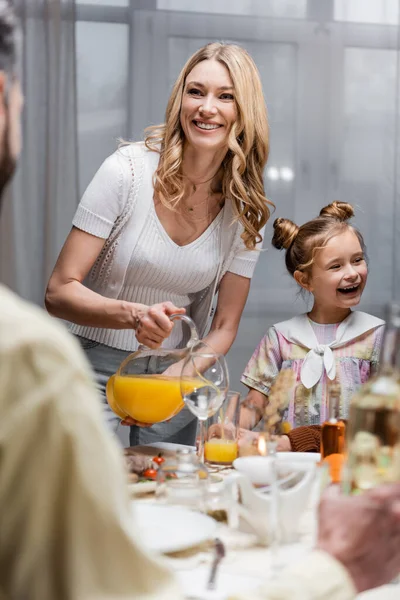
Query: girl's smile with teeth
point(338, 275)
point(349, 289)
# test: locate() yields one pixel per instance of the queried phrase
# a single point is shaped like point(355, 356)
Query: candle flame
point(262, 446)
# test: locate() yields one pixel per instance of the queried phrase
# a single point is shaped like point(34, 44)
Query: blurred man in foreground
point(66, 529)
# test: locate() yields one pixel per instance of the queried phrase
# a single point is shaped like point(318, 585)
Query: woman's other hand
point(129, 421)
point(153, 324)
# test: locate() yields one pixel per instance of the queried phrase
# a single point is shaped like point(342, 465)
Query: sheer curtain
point(45, 190)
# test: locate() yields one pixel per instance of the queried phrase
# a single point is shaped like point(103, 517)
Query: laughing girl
point(326, 257)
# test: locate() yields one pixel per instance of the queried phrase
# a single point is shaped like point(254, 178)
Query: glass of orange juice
point(221, 447)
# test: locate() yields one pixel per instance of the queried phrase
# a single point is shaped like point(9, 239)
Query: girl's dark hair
point(302, 242)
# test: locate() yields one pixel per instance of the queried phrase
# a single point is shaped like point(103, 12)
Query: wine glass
point(204, 385)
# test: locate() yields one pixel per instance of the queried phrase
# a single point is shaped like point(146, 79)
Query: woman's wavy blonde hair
point(248, 142)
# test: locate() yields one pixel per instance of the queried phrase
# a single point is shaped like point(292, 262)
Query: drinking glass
point(221, 446)
point(207, 372)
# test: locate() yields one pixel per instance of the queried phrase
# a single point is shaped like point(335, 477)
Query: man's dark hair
point(9, 37)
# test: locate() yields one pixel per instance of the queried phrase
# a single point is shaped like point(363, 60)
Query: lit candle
point(262, 446)
point(221, 451)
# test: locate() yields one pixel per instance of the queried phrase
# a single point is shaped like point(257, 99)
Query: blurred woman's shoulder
point(24, 325)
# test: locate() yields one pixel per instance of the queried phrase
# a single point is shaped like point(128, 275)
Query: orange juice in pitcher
point(148, 385)
point(151, 398)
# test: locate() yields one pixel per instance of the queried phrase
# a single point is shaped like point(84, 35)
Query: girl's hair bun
point(285, 232)
point(341, 211)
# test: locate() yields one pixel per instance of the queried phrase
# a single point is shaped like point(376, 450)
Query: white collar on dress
point(299, 331)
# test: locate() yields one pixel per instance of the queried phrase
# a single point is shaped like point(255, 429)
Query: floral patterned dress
point(293, 343)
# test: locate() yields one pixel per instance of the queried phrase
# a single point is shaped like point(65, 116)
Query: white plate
point(169, 447)
point(166, 528)
point(142, 487)
point(164, 448)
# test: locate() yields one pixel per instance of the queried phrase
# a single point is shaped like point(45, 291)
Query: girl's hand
point(251, 437)
point(153, 324)
point(247, 437)
point(252, 409)
point(219, 431)
point(284, 444)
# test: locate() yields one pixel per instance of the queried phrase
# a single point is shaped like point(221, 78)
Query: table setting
point(228, 514)
point(186, 538)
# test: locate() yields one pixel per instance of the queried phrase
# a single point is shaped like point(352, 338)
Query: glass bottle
point(373, 430)
point(333, 435)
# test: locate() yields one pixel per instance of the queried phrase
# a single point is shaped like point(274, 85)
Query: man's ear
point(303, 280)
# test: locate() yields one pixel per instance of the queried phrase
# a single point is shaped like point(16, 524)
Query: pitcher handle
point(194, 334)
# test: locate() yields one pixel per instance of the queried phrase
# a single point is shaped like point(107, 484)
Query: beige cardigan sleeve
point(67, 526)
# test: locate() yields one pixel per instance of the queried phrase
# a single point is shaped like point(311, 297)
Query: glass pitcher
point(147, 384)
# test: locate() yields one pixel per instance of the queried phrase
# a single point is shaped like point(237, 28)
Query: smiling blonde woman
point(167, 223)
point(247, 141)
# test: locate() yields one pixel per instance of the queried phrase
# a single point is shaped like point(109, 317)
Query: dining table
point(247, 564)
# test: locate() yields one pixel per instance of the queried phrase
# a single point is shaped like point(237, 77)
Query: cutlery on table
point(219, 549)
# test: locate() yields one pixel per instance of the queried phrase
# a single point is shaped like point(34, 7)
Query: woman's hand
point(153, 324)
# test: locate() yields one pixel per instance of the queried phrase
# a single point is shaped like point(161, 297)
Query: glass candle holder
point(222, 500)
point(182, 480)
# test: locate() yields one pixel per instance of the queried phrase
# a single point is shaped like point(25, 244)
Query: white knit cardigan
point(108, 273)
